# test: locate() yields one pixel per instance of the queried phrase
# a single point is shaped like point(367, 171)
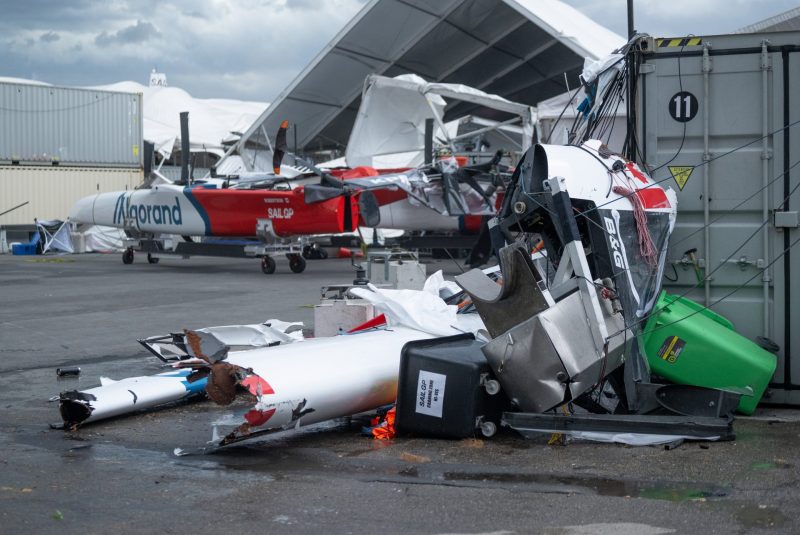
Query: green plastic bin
point(688, 344)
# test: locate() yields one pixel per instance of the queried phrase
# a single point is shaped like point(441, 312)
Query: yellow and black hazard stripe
point(686, 41)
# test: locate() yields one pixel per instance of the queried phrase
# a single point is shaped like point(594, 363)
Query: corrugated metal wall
point(750, 262)
point(51, 191)
point(46, 124)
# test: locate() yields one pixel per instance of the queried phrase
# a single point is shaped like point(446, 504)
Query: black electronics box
point(446, 389)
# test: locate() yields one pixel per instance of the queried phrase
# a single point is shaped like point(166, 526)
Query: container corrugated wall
point(67, 126)
point(52, 191)
point(730, 93)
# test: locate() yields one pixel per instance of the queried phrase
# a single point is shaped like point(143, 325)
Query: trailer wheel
point(127, 256)
point(268, 265)
point(297, 263)
point(152, 259)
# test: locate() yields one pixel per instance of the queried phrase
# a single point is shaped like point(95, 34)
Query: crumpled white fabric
point(593, 67)
point(436, 285)
point(423, 310)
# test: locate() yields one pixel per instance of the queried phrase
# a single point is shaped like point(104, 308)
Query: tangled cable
point(647, 249)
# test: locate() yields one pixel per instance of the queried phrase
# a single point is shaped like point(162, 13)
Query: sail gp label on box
point(430, 393)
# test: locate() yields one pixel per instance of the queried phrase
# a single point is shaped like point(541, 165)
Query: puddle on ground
point(760, 516)
point(674, 492)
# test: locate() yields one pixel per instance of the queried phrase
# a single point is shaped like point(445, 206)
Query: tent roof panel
point(374, 37)
point(333, 85)
point(482, 68)
point(499, 46)
point(450, 44)
point(485, 20)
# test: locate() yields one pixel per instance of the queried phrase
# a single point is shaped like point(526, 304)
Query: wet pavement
point(121, 475)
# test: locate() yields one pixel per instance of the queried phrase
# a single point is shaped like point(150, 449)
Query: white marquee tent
point(523, 50)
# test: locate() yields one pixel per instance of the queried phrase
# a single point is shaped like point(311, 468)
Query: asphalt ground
point(121, 475)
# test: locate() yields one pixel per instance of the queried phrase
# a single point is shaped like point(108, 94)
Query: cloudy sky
point(251, 49)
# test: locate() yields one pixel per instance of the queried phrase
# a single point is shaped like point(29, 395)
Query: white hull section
point(162, 209)
point(321, 379)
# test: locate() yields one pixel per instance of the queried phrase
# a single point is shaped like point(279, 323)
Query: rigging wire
point(730, 210)
point(740, 147)
point(560, 115)
point(680, 86)
point(698, 311)
point(600, 122)
point(722, 264)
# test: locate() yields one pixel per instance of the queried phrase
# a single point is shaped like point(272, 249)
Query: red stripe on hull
point(236, 212)
point(653, 197)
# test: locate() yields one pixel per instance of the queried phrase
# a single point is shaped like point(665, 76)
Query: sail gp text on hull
point(147, 214)
point(278, 212)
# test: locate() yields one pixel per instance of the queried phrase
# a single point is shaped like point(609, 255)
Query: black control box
point(446, 389)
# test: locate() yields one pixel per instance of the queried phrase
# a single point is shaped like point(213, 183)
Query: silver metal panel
point(788, 273)
point(567, 326)
point(537, 360)
point(734, 107)
point(528, 366)
point(50, 125)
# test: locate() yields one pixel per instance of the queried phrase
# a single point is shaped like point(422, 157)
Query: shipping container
point(48, 125)
point(52, 191)
point(719, 120)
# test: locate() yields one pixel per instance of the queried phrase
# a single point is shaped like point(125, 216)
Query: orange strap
point(386, 430)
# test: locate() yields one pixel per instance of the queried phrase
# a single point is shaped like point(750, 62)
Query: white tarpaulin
point(211, 120)
point(56, 236)
point(389, 131)
point(422, 310)
point(101, 239)
point(390, 126)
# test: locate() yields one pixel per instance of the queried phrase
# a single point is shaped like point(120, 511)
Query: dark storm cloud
point(251, 49)
point(138, 33)
point(49, 37)
point(47, 14)
point(245, 49)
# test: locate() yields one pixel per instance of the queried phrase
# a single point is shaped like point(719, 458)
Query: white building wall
point(51, 191)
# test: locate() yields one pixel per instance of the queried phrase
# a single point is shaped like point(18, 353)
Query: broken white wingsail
point(318, 380)
point(113, 398)
point(333, 377)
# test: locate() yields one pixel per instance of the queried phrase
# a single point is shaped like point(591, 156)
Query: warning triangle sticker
point(681, 174)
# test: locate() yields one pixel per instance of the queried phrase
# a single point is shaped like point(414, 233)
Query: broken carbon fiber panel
point(519, 298)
